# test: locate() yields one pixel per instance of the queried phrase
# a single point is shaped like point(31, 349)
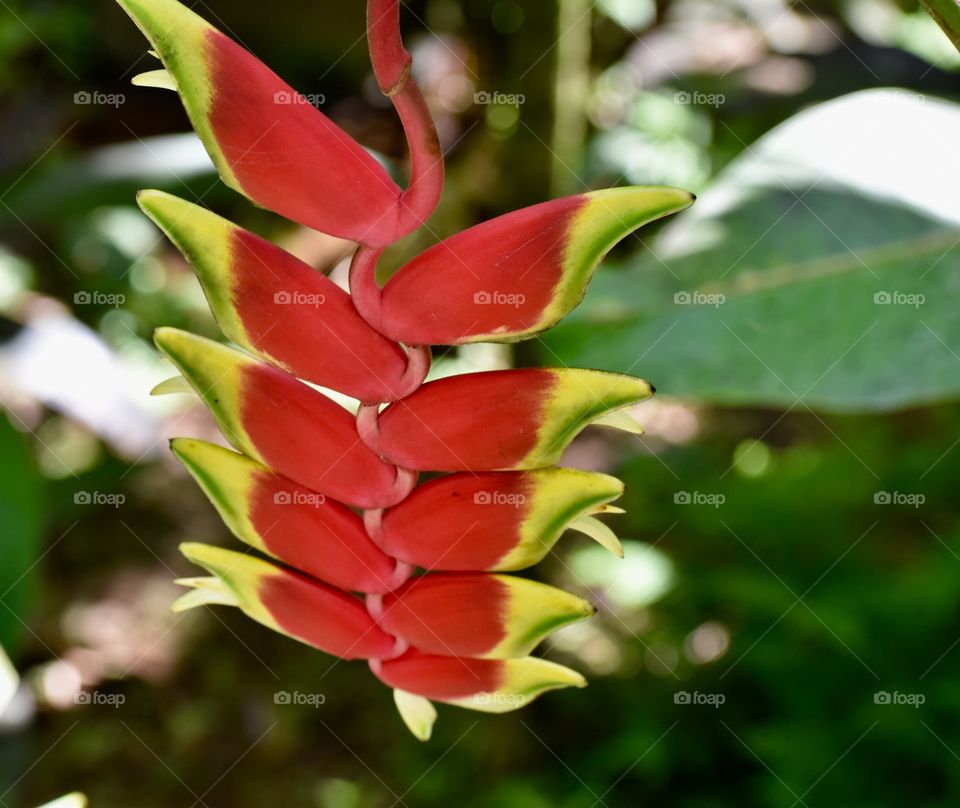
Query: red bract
point(343, 582)
point(285, 424)
point(490, 685)
point(529, 417)
point(289, 602)
point(267, 140)
point(283, 310)
point(477, 614)
point(302, 528)
point(512, 277)
point(494, 520)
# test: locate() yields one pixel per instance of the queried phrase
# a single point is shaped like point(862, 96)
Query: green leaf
point(21, 517)
point(822, 267)
point(947, 15)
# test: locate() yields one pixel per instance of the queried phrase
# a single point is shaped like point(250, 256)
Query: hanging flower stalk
point(329, 500)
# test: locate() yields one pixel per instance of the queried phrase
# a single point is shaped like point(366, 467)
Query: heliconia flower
point(478, 614)
point(489, 685)
point(528, 418)
point(512, 277)
point(495, 520)
point(278, 307)
point(286, 425)
point(308, 531)
point(267, 140)
point(460, 632)
point(288, 602)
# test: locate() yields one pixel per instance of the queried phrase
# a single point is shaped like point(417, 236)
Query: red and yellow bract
point(414, 582)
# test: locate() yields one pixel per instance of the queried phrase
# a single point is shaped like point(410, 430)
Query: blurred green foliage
point(790, 587)
point(21, 514)
point(947, 15)
point(835, 282)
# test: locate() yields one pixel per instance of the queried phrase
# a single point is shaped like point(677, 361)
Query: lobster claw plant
point(330, 499)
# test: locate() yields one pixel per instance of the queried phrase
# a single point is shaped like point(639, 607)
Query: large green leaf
point(21, 519)
point(822, 267)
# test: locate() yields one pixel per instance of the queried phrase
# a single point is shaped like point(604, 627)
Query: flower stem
point(364, 288)
point(391, 66)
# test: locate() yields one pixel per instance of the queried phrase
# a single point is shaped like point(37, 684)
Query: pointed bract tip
point(204, 591)
point(220, 561)
point(158, 79)
point(417, 712)
point(620, 419)
point(171, 386)
point(187, 449)
point(165, 335)
point(164, 209)
point(146, 195)
point(600, 532)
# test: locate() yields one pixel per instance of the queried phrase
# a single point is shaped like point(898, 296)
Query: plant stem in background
point(571, 88)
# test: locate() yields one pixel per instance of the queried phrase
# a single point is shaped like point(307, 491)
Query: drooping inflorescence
point(354, 557)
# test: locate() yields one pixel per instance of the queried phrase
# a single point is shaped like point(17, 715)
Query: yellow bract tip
point(161, 79)
point(620, 419)
point(599, 532)
point(523, 680)
point(175, 384)
point(417, 712)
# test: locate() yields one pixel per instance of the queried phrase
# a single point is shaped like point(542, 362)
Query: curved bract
point(300, 527)
point(488, 685)
point(529, 417)
point(496, 521)
point(512, 277)
point(478, 615)
point(293, 604)
point(345, 552)
point(267, 140)
point(278, 307)
point(283, 423)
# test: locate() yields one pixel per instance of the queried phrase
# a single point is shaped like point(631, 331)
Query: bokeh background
point(783, 630)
